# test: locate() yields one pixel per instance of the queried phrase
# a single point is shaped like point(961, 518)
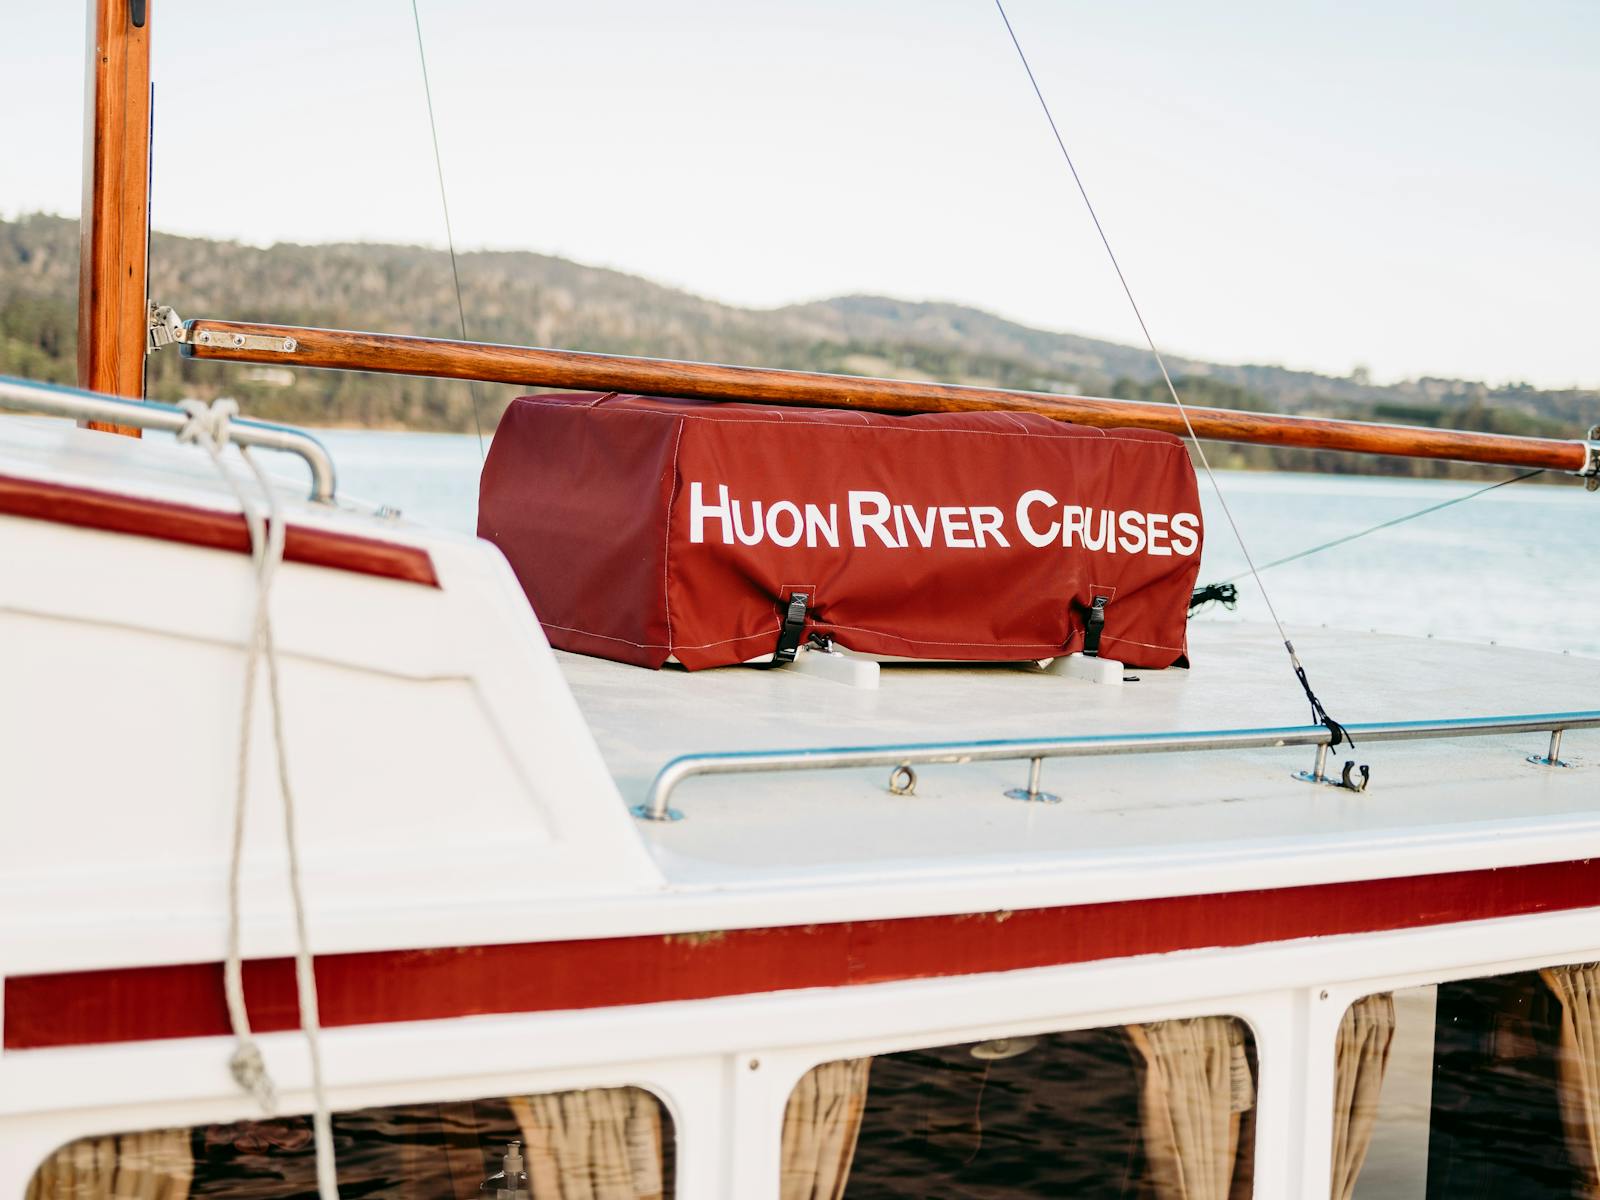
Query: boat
point(326, 873)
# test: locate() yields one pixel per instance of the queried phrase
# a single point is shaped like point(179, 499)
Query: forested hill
point(535, 299)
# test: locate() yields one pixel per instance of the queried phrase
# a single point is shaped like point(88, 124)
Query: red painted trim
point(138, 1004)
point(90, 509)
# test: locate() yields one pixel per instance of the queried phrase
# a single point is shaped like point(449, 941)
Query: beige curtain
point(1197, 1086)
point(597, 1144)
point(130, 1166)
point(1578, 1065)
point(820, 1126)
point(1361, 1054)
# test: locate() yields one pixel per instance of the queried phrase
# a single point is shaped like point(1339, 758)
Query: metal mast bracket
point(1591, 473)
point(165, 326)
point(168, 328)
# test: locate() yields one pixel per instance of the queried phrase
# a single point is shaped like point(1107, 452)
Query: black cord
point(1318, 713)
point(1225, 594)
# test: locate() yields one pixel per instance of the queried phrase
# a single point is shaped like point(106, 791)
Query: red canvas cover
point(645, 529)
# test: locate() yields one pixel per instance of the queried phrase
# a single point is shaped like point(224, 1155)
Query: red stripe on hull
point(143, 517)
point(143, 1003)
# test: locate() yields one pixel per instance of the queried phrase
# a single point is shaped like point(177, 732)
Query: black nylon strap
point(1095, 626)
point(794, 623)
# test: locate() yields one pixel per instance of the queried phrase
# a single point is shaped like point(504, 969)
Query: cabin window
point(1161, 1111)
point(1480, 1087)
point(612, 1142)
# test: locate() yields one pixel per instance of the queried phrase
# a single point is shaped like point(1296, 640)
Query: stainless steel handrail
point(50, 399)
point(740, 762)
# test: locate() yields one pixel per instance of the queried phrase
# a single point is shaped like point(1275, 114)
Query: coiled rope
point(1318, 713)
point(207, 426)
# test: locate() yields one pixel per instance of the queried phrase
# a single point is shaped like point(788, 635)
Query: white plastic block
point(838, 666)
point(1092, 670)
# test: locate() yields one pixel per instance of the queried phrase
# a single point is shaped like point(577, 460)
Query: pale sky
point(1409, 185)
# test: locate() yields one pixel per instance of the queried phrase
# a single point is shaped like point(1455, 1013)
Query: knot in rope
point(1341, 735)
point(250, 1073)
point(207, 423)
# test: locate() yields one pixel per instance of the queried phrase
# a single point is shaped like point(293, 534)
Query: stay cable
point(1319, 714)
point(1389, 524)
point(449, 234)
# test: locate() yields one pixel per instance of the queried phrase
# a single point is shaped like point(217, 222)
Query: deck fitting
point(1551, 757)
point(1352, 779)
point(1032, 792)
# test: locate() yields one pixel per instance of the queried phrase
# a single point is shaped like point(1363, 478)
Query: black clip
point(794, 624)
point(136, 13)
point(1094, 627)
point(1346, 782)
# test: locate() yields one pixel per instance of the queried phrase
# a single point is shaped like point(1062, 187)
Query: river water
point(1515, 566)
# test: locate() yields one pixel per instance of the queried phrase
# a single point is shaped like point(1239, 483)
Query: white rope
point(207, 426)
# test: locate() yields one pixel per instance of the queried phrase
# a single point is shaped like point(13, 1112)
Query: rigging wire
point(444, 202)
point(1318, 712)
point(1389, 524)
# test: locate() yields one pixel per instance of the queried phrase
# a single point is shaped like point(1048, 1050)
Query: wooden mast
point(298, 346)
point(114, 229)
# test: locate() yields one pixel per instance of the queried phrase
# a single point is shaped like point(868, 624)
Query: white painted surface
point(436, 754)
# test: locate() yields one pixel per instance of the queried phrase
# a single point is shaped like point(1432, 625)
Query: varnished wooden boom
point(580, 371)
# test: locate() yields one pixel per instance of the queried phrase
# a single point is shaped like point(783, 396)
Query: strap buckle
point(1094, 627)
point(794, 624)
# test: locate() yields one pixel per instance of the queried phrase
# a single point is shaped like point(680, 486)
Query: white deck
point(1130, 808)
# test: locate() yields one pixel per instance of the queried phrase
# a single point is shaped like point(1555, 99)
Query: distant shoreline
point(522, 298)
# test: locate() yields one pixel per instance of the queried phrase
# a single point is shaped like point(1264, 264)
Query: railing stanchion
point(1552, 757)
point(1032, 792)
point(1318, 773)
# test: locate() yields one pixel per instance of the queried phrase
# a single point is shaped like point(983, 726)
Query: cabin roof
point(1118, 813)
